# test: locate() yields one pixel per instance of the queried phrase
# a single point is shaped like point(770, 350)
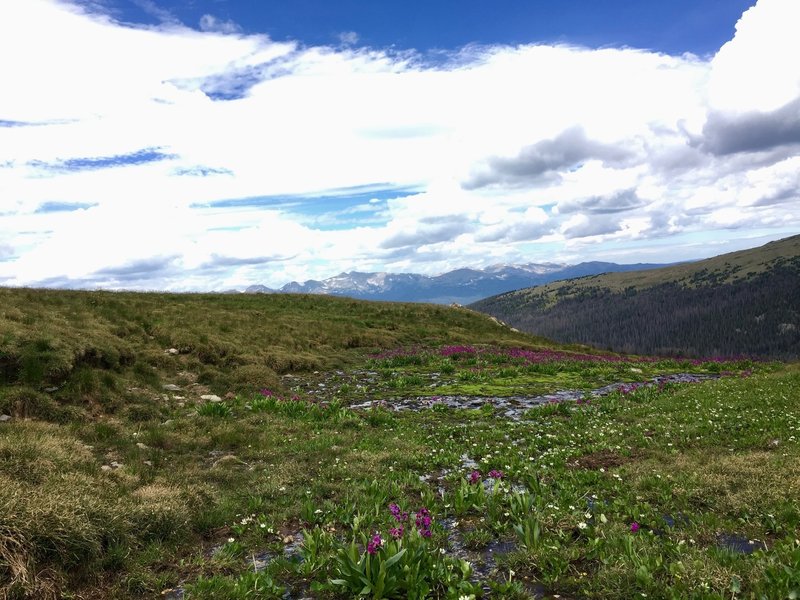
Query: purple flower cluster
point(266, 392)
point(456, 350)
point(544, 356)
point(422, 521)
point(495, 474)
point(399, 516)
point(629, 388)
point(475, 477)
point(375, 544)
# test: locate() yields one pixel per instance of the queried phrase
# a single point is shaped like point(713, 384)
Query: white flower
point(231, 540)
point(582, 525)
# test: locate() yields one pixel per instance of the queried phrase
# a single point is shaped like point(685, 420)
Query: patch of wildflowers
point(375, 544)
point(423, 522)
point(400, 516)
point(475, 476)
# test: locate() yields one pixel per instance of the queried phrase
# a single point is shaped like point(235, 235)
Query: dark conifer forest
point(710, 312)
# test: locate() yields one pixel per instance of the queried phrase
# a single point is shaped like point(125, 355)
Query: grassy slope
point(714, 305)
point(94, 346)
point(725, 268)
point(112, 488)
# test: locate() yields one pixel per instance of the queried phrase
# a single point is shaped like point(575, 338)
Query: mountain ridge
point(744, 302)
point(461, 286)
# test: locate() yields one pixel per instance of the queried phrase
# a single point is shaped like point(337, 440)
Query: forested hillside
point(742, 303)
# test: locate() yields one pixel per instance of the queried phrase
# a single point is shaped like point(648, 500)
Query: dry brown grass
point(736, 483)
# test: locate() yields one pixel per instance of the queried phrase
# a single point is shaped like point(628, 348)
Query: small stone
point(142, 446)
point(171, 387)
point(149, 463)
point(4, 418)
point(211, 398)
point(116, 465)
point(105, 468)
point(50, 389)
point(230, 396)
point(167, 422)
point(176, 397)
point(171, 351)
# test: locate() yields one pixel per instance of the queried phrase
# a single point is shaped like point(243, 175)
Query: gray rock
point(4, 418)
point(171, 387)
point(142, 446)
point(105, 468)
point(171, 351)
point(211, 398)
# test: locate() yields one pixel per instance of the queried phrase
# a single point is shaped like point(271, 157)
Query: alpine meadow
point(399, 300)
point(271, 446)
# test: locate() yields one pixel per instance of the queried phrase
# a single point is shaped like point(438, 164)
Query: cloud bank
point(198, 158)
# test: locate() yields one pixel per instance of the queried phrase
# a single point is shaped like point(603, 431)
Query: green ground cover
point(118, 487)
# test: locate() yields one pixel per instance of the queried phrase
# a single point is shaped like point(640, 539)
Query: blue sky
point(213, 144)
point(698, 26)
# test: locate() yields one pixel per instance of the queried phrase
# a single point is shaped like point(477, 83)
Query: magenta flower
point(266, 392)
point(374, 544)
point(495, 474)
point(423, 522)
point(398, 515)
point(634, 527)
point(475, 476)
point(396, 532)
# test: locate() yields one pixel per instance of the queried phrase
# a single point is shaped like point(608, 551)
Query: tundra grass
point(133, 491)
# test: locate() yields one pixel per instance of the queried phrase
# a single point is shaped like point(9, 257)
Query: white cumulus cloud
point(179, 158)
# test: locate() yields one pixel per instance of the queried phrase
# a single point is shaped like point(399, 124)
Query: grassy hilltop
point(745, 302)
point(236, 446)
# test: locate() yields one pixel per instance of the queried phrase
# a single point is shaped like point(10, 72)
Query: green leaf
point(391, 562)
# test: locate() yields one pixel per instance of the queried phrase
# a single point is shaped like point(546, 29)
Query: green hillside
point(91, 348)
point(745, 302)
point(233, 447)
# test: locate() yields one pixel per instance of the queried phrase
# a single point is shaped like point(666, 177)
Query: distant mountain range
point(461, 286)
point(745, 302)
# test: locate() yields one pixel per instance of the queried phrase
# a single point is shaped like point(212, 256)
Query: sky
point(198, 145)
